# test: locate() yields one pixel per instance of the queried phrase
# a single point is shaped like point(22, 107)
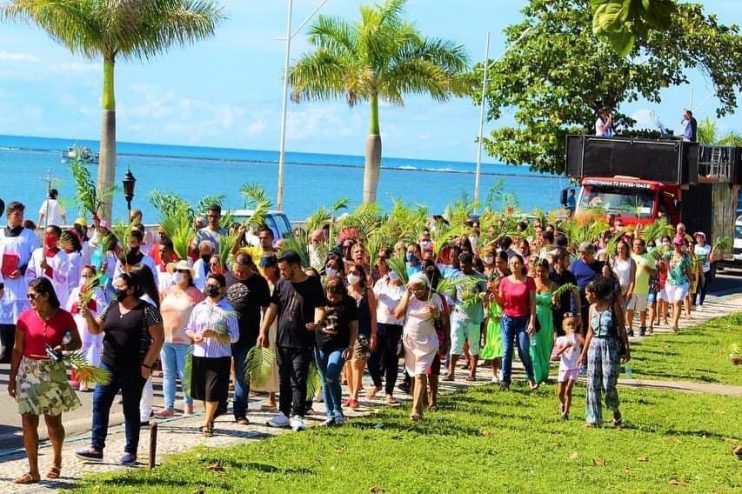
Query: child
point(567, 350)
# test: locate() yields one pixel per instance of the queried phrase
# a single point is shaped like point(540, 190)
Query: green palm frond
point(299, 245)
point(203, 205)
point(318, 219)
point(86, 191)
point(567, 287)
point(188, 371)
point(259, 364)
point(86, 373)
point(449, 286)
point(314, 380)
point(257, 199)
point(398, 264)
point(723, 243)
point(225, 247)
point(655, 230)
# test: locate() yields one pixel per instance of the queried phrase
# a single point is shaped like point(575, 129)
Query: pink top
point(38, 332)
point(176, 308)
point(516, 296)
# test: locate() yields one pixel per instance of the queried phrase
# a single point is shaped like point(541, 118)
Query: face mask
point(119, 294)
point(50, 239)
point(353, 279)
point(211, 290)
point(206, 259)
point(179, 277)
point(134, 250)
point(331, 272)
point(393, 276)
point(489, 259)
point(426, 244)
point(411, 258)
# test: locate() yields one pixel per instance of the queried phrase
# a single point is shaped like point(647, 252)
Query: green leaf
point(259, 364)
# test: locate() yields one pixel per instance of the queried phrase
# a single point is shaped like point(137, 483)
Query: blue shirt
point(690, 131)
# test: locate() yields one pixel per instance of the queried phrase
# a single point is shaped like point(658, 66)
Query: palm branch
point(655, 230)
point(314, 381)
point(256, 198)
point(203, 205)
point(86, 373)
point(225, 247)
point(723, 243)
point(87, 290)
point(450, 285)
point(86, 191)
point(188, 371)
point(298, 244)
point(259, 364)
point(318, 219)
point(398, 264)
point(567, 287)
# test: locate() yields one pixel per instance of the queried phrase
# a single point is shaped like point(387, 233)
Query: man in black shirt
point(248, 292)
point(295, 300)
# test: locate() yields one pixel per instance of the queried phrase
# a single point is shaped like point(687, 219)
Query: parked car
point(277, 221)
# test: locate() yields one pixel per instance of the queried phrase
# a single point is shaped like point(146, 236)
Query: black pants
point(387, 343)
point(7, 337)
point(293, 369)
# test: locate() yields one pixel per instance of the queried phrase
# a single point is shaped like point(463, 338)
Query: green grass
point(481, 440)
point(700, 353)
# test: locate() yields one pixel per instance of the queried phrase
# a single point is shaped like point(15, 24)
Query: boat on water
point(84, 153)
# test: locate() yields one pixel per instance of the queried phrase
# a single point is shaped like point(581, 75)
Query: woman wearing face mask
point(92, 344)
point(359, 291)
point(38, 381)
point(334, 266)
point(213, 328)
point(177, 305)
point(132, 338)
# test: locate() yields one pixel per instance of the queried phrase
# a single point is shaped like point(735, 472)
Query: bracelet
point(146, 366)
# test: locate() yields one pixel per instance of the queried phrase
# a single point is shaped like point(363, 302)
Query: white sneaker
point(297, 423)
point(279, 420)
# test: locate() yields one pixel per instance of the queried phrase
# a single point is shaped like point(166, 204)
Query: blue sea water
point(311, 180)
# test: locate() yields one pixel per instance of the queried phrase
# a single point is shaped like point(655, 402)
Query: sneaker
point(128, 460)
point(89, 455)
point(630, 332)
point(297, 423)
point(279, 420)
point(642, 331)
point(328, 422)
point(339, 418)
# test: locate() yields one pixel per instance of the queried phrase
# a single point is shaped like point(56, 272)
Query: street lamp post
point(486, 66)
point(129, 182)
point(284, 103)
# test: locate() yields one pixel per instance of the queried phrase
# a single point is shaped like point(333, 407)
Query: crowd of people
point(128, 303)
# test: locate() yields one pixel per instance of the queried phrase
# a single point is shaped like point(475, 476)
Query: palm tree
point(378, 57)
point(114, 29)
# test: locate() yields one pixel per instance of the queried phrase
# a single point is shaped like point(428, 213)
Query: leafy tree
point(619, 21)
point(707, 132)
point(560, 74)
point(110, 30)
point(381, 56)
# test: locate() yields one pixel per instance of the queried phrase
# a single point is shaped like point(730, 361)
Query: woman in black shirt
point(335, 336)
point(132, 339)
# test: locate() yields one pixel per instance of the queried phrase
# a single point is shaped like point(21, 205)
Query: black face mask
point(119, 294)
point(206, 259)
point(133, 250)
point(211, 290)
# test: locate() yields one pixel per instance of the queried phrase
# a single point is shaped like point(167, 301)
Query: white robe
point(14, 300)
point(60, 265)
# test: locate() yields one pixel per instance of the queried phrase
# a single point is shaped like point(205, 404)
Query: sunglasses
point(32, 296)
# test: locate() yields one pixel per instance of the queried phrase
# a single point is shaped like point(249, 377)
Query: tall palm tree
point(112, 29)
point(378, 57)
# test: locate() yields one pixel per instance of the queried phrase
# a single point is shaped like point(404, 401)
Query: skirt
point(42, 388)
point(210, 378)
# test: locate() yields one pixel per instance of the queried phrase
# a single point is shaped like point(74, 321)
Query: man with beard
point(247, 291)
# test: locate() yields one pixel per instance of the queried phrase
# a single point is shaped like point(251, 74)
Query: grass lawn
point(700, 353)
point(481, 440)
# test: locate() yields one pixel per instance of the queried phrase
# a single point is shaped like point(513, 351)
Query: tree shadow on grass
point(148, 482)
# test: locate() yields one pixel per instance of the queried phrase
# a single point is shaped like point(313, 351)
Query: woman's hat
point(701, 234)
point(678, 241)
point(181, 266)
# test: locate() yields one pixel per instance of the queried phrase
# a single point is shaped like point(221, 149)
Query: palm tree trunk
point(373, 155)
point(107, 158)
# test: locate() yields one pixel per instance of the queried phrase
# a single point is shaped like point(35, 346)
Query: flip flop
point(26, 478)
point(53, 473)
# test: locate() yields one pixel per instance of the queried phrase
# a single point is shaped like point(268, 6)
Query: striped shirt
point(220, 317)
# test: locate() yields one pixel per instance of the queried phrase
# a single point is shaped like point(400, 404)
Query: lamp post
point(486, 67)
point(284, 103)
point(129, 182)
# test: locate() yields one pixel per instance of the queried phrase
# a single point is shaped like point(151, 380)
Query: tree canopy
point(561, 73)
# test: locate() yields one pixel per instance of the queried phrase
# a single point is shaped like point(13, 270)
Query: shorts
point(652, 297)
point(637, 303)
point(463, 330)
point(568, 375)
point(676, 293)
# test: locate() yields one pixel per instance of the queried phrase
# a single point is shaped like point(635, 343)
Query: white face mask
point(179, 277)
point(353, 279)
point(331, 272)
point(489, 259)
point(393, 276)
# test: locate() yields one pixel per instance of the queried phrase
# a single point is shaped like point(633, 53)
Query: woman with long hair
point(132, 339)
point(359, 291)
point(543, 341)
point(38, 379)
point(177, 305)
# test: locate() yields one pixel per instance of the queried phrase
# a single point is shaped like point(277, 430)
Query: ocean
point(311, 180)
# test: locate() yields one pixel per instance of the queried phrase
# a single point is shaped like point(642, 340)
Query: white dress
point(60, 270)
point(92, 344)
point(14, 253)
point(419, 337)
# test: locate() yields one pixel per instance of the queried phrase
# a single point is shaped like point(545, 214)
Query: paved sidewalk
point(183, 433)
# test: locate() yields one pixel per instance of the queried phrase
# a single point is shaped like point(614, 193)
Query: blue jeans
point(330, 365)
point(130, 382)
point(515, 328)
point(241, 385)
point(173, 357)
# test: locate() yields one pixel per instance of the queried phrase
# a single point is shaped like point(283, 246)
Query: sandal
point(26, 478)
point(54, 473)
point(389, 400)
point(207, 430)
point(471, 378)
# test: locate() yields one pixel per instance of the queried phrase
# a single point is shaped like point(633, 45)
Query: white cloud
point(256, 127)
point(645, 119)
point(76, 67)
point(7, 56)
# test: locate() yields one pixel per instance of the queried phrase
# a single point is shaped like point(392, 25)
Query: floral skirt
point(42, 388)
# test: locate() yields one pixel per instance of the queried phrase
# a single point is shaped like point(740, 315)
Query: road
point(727, 282)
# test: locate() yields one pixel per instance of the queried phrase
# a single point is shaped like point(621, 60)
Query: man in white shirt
point(51, 212)
point(16, 246)
point(51, 262)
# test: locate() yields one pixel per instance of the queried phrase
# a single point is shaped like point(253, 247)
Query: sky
point(226, 91)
